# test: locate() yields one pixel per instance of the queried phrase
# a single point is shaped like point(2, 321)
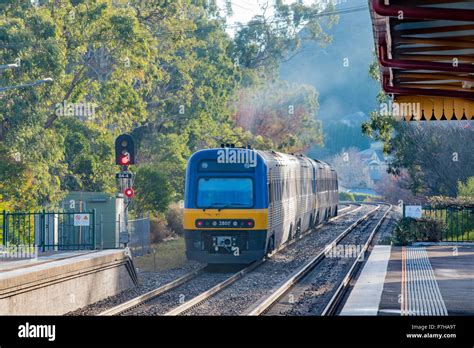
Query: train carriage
point(241, 204)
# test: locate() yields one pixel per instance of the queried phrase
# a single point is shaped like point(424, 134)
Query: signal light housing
point(124, 150)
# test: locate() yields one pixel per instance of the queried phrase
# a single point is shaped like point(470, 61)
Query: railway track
point(281, 297)
point(195, 302)
point(199, 293)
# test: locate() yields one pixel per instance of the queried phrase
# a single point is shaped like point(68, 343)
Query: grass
point(168, 254)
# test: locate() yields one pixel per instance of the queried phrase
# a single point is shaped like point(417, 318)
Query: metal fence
point(139, 235)
point(459, 222)
point(50, 231)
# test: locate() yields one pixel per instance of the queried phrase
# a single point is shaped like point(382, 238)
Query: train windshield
point(225, 193)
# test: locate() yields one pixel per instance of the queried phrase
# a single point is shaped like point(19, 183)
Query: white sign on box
point(82, 219)
point(413, 211)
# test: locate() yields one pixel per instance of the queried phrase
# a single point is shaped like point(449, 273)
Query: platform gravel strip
point(424, 297)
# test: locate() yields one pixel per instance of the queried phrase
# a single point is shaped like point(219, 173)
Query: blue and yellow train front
point(226, 209)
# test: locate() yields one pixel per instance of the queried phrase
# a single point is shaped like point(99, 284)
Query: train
point(241, 204)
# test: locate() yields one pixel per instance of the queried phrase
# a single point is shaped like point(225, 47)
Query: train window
point(278, 191)
point(225, 192)
point(274, 193)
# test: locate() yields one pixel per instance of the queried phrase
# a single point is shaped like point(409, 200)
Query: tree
point(153, 191)
point(467, 189)
point(95, 52)
point(165, 71)
point(88, 154)
point(393, 189)
point(434, 154)
point(351, 171)
point(281, 112)
point(269, 39)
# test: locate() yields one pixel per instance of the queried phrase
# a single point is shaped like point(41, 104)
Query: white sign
point(81, 220)
point(413, 211)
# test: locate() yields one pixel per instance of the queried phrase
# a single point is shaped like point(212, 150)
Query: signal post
point(125, 156)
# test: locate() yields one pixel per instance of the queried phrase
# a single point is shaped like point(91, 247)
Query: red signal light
point(125, 160)
point(129, 192)
point(199, 223)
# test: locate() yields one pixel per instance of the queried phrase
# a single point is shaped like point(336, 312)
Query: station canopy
point(425, 50)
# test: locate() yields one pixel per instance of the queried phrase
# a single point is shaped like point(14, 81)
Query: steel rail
point(205, 296)
point(149, 296)
point(139, 300)
point(264, 305)
point(335, 300)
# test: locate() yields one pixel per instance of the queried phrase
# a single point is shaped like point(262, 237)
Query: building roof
point(426, 54)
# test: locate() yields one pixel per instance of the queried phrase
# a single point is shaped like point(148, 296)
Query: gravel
point(148, 281)
point(240, 296)
point(311, 295)
point(175, 297)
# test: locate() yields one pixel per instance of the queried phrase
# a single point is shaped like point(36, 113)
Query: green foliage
point(409, 230)
point(88, 153)
point(153, 191)
point(165, 71)
point(433, 155)
point(467, 189)
point(265, 41)
point(346, 196)
point(362, 197)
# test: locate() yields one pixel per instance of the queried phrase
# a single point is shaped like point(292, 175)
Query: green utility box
point(109, 219)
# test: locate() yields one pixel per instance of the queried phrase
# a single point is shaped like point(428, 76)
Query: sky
point(244, 10)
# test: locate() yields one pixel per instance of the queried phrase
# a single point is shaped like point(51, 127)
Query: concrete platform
point(59, 283)
point(429, 280)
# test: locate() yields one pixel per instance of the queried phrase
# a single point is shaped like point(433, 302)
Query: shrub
point(159, 229)
point(346, 196)
point(409, 230)
point(362, 197)
point(174, 218)
point(153, 190)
